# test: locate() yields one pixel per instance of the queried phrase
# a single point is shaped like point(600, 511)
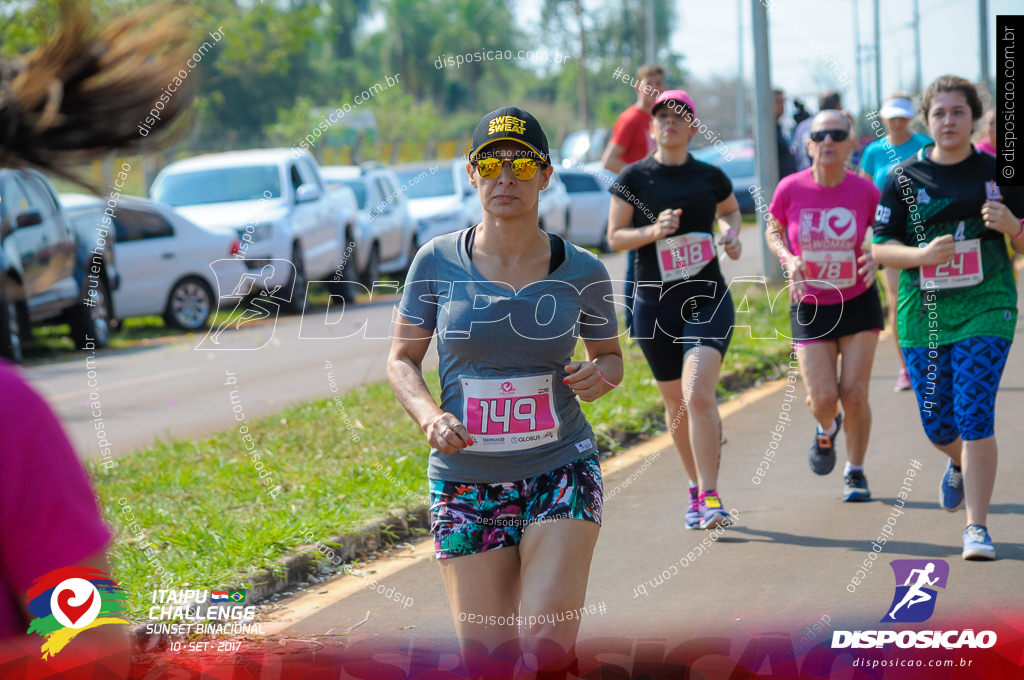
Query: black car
point(50, 273)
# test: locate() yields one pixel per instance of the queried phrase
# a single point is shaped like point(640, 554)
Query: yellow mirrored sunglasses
point(522, 168)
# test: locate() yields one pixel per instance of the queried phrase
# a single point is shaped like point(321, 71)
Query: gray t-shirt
point(502, 358)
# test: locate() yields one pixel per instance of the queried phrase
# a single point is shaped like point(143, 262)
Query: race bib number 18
point(680, 257)
point(509, 414)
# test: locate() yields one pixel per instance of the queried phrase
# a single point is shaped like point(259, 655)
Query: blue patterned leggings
point(956, 387)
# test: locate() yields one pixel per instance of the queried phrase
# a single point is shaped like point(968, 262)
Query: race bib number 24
point(962, 271)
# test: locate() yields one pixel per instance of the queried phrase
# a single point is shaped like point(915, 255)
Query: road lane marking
point(122, 383)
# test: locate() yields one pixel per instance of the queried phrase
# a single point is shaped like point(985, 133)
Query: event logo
point(258, 298)
point(67, 601)
point(914, 600)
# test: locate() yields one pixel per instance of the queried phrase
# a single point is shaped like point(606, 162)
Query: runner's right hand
point(939, 251)
point(797, 274)
point(446, 434)
point(667, 224)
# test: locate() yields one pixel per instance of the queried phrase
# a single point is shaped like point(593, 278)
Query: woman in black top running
point(664, 209)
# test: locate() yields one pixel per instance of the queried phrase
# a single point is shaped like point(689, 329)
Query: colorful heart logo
point(73, 612)
point(842, 222)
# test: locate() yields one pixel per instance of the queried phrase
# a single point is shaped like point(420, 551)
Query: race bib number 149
point(509, 414)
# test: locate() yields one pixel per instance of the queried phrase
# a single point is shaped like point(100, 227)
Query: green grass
point(201, 503)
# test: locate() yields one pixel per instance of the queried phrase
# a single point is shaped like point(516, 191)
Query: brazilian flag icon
point(237, 596)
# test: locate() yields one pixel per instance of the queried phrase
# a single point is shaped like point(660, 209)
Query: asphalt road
point(177, 388)
point(787, 564)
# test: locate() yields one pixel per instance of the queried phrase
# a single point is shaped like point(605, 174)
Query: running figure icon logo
point(258, 297)
point(914, 600)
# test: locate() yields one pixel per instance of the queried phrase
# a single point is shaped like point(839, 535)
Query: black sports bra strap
point(557, 249)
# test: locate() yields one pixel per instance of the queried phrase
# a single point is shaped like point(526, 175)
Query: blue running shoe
point(693, 514)
point(822, 454)
point(977, 544)
point(714, 514)
point(855, 487)
point(951, 489)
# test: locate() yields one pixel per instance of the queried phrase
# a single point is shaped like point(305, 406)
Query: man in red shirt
point(631, 137)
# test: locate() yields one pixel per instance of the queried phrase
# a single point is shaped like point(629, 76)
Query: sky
point(707, 33)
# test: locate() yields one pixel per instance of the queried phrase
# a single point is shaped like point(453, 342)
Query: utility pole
point(741, 105)
point(878, 58)
point(983, 40)
point(649, 46)
point(858, 58)
point(581, 68)
point(764, 128)
point(917, 48)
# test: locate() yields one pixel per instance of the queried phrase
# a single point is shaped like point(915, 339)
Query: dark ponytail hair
point(84, 93)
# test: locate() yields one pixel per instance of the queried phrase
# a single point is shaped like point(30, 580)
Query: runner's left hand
point(999, 218)
point(868, 267)
point(584, 380)
point(732, 245)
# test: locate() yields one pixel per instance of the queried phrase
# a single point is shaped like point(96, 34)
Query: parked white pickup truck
point(276, 202)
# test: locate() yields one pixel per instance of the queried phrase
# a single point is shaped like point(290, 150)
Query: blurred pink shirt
point(48, 512)
point(986, 146)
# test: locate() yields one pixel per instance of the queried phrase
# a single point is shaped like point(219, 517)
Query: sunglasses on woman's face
point(836, 135)
point(522, 168)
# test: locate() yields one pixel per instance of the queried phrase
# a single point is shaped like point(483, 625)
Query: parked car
point(163, 258)
point(584, 146)
point(384, 234)
point(736, 159)
point(604, 176)
point(274, 200)
point(470, 197)
point(589, 202)
point(436, 198)
point(554, 207)
point(50, 275)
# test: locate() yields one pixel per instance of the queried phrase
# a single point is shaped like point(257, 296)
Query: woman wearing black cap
point(664, 209)
point(515, 484)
